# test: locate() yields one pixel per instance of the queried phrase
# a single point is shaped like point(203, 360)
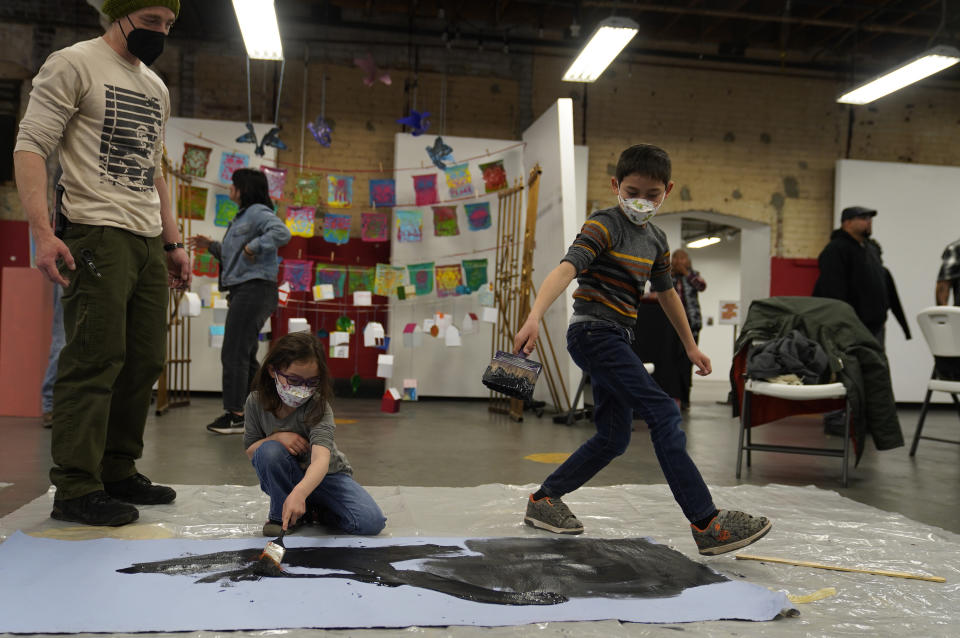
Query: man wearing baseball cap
point(115, 250)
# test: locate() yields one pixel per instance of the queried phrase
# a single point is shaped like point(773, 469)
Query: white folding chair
point(941, 328)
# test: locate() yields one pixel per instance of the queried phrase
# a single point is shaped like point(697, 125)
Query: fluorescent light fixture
point(933, 61)
point(605, 44)
point(704, 241)
point(258, 24)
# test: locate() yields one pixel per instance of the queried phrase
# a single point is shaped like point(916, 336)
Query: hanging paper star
point(270, 139)
point(440, 153)
point(417, 122)
point(373, 72)
point(320, 131)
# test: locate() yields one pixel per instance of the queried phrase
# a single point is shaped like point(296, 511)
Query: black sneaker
point(227, 423)
point(138, 490)
point(95, 508)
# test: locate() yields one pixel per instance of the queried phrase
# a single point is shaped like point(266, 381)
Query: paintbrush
point(512, 375)
point(272, 557)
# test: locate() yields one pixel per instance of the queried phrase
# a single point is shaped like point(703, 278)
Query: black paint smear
point(504, 571)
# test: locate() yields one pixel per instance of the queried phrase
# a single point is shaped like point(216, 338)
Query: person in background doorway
point(248, 274)
point(689, 284)
point(116, 250)
point(948, 279)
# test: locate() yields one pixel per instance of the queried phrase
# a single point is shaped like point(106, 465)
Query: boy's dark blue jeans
point(620, 386)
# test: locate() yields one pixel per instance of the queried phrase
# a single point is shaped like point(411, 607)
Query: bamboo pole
point(837, 568)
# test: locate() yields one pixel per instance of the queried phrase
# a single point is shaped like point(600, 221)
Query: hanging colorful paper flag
point(336, 228)
point(300, 220)
point(361, 278)
point(409, 225)
point(376, 227)
point(298, 273)
point(445, 221)
point(425, 187)
point(229, 162)
point(226, 210)
point(458, 180)
point(476, 273)
point(388, 278)
point(383, 192)
point(421, 275)
point(276, 180)
point(330, 274)
point(204, 264)
point(478, 215)
point(339, 191)
point(193, 203)
point(307, 192)
point(195, 159)
point(494, 176)
point(449, 280)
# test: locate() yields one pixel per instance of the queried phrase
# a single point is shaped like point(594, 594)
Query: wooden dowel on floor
point(878, 572)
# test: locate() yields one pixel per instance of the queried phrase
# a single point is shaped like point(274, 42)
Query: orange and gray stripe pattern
point(614, 259)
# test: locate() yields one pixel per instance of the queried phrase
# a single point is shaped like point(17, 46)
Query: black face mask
point(146, 44)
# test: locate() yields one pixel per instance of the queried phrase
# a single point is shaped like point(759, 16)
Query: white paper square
point(362, 298)
point(453, 337)
point(428, 324)
point(489, 315)
point(340, 352)
point(385, 367)
point(297, 324)
point(323, 292)
point(339, 338)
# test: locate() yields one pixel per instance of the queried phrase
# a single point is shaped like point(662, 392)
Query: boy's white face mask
point(638, 210)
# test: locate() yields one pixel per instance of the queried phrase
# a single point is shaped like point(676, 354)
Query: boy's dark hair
point(647, 160)
point(253, 188)
point(295, 346)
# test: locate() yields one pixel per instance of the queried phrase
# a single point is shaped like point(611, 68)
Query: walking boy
point(616, 252)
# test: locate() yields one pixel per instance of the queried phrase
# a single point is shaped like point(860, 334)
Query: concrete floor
point(458, 443)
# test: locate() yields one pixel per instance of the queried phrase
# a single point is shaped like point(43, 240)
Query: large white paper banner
point(385, 366)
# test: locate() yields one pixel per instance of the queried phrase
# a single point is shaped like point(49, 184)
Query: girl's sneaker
point(730, 530)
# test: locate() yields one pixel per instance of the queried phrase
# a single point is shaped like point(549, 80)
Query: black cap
point(856, 211)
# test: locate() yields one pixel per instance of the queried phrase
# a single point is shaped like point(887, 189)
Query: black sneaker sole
point(532, 522)
point(226, 430)
point(115, 521)
point(159, 499)
point(743, 542)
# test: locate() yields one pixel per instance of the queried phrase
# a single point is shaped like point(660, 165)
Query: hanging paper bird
point(417, 122)
point(321, 131)
point(270, 139)
point(440, 153)
point(373, 72)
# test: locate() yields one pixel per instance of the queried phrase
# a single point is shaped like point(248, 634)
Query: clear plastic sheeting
point(809, 525)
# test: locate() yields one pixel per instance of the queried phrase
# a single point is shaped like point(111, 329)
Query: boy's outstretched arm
point(673, 308)
point(553, 286)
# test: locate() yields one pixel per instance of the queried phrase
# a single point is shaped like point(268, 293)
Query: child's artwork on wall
point(494, 176)
point(230, 162)
point(421, 276)
point(475, 271)
point(383, 192)
point(226, 210)
point(425, 187)
point(409, 225)
point(193, 203)
point(445, 221)
point(195, 160)
point(376, 227)
point(300, 220)
point(458, 180)
point(339, 191)
point(449, 280)
point(333, 275)
point(307, 191)
point(478, 215)
point(336, 228)
point(276, 180)
point(298, 273)
point(388, 279)
point(204, 264)
point(360, 278)
point(440, 153)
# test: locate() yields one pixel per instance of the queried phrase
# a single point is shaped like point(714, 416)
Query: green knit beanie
point(116, 9)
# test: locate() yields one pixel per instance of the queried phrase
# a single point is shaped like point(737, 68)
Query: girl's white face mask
point(638, 210)
point(293, 395)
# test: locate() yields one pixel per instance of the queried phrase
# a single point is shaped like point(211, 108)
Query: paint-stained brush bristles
point(271, 558)
point(512, 375)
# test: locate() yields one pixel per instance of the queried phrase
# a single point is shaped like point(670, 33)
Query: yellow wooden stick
point(879, 572)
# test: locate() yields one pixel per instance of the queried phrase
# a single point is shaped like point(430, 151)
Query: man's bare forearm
point(31, 175)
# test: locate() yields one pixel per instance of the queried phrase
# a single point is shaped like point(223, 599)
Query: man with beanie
point(115, 250)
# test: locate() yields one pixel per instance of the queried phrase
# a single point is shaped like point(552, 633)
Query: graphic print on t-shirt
point(131, 128)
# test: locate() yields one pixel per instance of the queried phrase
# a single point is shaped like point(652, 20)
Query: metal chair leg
point(923, 415)
point(847, 417)
point(744, 424)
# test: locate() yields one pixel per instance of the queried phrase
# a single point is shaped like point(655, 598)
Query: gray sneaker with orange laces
point(730, 530)
point(553, 515)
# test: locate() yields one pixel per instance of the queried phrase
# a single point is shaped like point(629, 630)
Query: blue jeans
point(343, 503)
point(621, 385)
point(57, 339)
